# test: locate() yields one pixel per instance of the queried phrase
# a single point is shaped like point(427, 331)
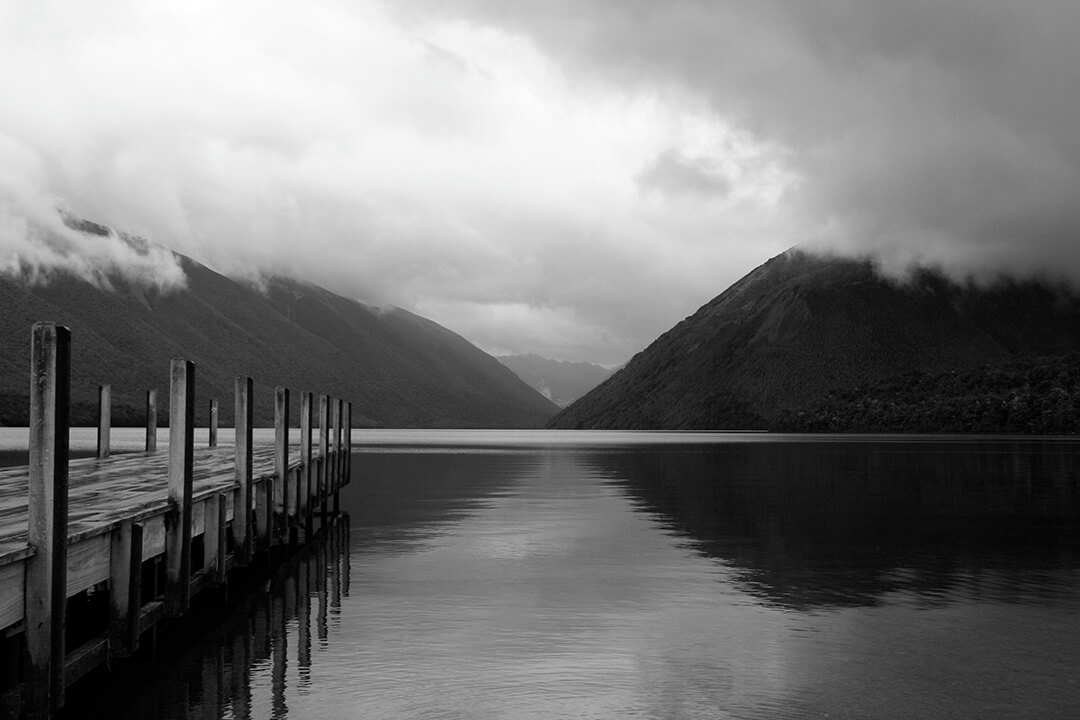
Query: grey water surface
point(623, 575)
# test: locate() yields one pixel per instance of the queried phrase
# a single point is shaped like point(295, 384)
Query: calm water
point(583, 575)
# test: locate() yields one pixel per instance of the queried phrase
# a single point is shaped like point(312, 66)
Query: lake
point(664, 575)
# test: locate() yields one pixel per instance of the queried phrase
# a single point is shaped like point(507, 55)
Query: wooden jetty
point(137, 535)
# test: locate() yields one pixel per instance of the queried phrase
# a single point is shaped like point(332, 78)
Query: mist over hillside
point(398, 369)
point(801, 326)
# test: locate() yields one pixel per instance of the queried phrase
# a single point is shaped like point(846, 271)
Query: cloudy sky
point(565, 177)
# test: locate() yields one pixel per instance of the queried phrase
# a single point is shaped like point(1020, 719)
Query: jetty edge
point(128, 539)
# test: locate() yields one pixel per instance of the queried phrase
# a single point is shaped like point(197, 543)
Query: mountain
point(398, 369)
point(801, 326)
point(560, 382)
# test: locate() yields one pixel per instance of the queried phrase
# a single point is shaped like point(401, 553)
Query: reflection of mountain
point(808, 524)
point(401, 496)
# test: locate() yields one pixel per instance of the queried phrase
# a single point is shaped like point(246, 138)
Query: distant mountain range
point(800, 329)
point(398, 369)
point(559, 381)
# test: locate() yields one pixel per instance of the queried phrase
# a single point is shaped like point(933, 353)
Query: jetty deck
point(131, 538)
point(105, 491)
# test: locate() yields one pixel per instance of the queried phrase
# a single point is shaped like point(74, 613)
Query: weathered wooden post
point(178, 521)
point(151, 420)
point(242, 509)
point(213, 423)
point(264, 506)
point(282, 507)
point(214, 542)
point(304, 486)
point(104, 420)
point(348, 443)
point(324, 444)
point(125, 588)
point(339, 461)
point(46, 570)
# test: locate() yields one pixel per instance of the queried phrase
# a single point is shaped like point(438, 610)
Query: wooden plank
point(104, 420)
point(150, 615)
point(153, 537)
point(47, 511)
point(178, 523)
point(87, 564)
point(12, 593)
point(198, 517)
point(151, 420)
point(85, 658)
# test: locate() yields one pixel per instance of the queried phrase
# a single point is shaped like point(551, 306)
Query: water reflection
point(253, 662)
point(808, 525)
point(732, 579)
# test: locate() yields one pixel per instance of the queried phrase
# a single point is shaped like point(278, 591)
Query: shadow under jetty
point(247, 664)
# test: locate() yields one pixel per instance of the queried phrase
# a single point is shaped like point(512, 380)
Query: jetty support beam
point(282, 510)
point(242, 509)
point(125, 589)
point(178, 521)
point(324, 446)
point(303, 490)
point(348, 442)
point(46, 569)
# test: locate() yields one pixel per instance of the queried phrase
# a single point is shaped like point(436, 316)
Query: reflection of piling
point(262, 629)
point(150, 531)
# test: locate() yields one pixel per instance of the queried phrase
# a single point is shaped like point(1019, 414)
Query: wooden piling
point(348, 442)
point(125, 588)
point(213, 428)
point(114, 537)
point(281, 456)
point(324, 446)
point(46, 569)
point(339, 458)
point(215, 543)
point(151, 420)
point(181, 449)
point(264, 505)
point(104, 420)
point(242, 510)
point(304, 486)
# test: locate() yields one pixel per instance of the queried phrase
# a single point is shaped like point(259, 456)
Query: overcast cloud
point(565, 178)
